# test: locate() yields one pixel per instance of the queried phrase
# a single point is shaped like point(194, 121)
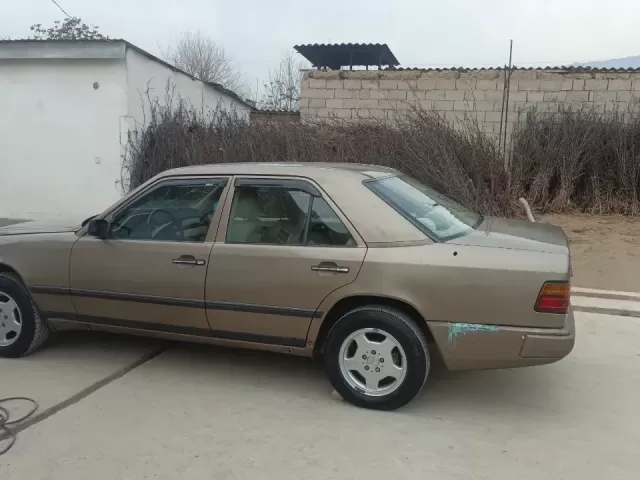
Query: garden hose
point(6, 434)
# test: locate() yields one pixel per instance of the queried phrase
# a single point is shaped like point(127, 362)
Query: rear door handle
point(188, 260)
point(330, 267)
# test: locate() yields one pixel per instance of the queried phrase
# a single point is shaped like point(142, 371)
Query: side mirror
point(87, 220)
point(98, 228)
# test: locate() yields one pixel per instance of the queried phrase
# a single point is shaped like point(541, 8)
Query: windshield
point(435, 214)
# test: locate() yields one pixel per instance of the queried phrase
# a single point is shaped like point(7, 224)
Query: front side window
point(278, 215)
point(178, 211)
point(435, 214)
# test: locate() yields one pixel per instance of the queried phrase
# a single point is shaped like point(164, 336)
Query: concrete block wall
point(456, 95)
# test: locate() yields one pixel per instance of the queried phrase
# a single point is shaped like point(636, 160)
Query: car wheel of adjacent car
point(377, 357)
point(22, 329)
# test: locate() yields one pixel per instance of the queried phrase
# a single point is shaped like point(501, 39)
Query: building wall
point(476, 94)
point(60, 136)
point(62, 140)
point(148, 78)
point(274, 116)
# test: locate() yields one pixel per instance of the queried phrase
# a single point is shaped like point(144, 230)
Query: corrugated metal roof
point(576, 69)
point(336, 55)
point(287, 112)
point(342, 45)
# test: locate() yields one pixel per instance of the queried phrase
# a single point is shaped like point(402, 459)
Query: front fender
point(41, 260)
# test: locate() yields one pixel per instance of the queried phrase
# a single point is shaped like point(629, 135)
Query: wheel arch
point(346, 304)
point(6, 268)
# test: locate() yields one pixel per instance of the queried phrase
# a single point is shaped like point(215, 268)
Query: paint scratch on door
point(457, 329)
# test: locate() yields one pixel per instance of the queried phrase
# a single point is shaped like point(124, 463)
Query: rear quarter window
point(436, 215)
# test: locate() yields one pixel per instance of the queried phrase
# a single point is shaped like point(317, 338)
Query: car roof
point(309, 169)
point(376, 222)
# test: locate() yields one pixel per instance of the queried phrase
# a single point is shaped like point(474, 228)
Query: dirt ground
point(605, 250)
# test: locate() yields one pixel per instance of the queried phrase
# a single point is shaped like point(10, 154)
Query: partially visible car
point(359, 264)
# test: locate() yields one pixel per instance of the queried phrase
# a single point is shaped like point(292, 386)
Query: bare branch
point(282, 91)
point(202, 57)
point(71, 28)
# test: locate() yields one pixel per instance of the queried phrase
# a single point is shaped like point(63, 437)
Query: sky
point(421, 33)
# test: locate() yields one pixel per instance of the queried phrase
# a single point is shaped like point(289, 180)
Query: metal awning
point(337, 55)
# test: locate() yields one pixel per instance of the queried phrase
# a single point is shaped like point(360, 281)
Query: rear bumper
point(469, 346)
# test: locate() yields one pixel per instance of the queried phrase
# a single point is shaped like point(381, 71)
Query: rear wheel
point(22, 330)
point(377, 357)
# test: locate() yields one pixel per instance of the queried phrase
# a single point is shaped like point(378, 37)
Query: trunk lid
point(496, 232)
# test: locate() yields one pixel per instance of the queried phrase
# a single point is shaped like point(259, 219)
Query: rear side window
point(326, 228)
point(268, 215)
point(434, 214)
point(278, 215)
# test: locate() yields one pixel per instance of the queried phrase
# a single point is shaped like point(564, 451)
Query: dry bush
point(572, 161)
point(461, 163)
point(578, 161)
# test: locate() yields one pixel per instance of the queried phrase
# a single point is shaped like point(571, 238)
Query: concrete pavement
point(202, 412)
point(71, 365)
point(608, 302)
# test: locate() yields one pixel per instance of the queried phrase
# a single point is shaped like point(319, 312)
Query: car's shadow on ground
point(499, 392)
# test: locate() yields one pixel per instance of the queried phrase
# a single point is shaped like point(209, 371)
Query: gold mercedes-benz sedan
point(361, 265)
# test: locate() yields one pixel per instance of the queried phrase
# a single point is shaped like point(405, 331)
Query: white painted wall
point(60, 137)
point(62, 141)
point(150, 81)
point(147, 77)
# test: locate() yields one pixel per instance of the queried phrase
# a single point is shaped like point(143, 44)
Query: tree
point(201, 57)
point(71, 28)
point(282, 91)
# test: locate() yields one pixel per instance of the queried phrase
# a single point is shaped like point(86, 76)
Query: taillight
point(554, 297)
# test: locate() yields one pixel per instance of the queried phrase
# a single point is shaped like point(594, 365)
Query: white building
point(65, 110)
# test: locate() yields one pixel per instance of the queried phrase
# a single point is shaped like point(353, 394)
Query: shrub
point(578, 161)
point(463, 163)
point(571, 161)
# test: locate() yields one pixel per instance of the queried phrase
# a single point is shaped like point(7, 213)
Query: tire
point(377, 322)
point(33, 330)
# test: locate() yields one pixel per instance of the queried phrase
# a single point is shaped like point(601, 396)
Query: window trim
point(294, 184)
point(367, 183)
point(301, 183)
point(355, 239)
point(110, 214)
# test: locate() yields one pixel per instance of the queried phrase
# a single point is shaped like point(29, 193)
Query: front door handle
point(330, 267)
point(188, 260)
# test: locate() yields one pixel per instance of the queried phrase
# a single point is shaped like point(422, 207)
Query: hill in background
point(626, 62)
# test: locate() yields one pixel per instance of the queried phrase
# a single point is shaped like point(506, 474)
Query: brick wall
point(273, 116)
point(459, 94)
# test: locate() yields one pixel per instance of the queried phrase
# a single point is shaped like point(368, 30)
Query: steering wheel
point(153, 223)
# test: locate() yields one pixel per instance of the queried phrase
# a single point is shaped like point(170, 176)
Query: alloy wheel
point(10, 320)
point(373, 362)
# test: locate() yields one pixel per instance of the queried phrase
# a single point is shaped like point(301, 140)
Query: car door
point(281, 248)
point(149, 272)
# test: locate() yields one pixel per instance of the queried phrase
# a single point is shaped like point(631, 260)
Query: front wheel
point(377, 357)
point(22, 329)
